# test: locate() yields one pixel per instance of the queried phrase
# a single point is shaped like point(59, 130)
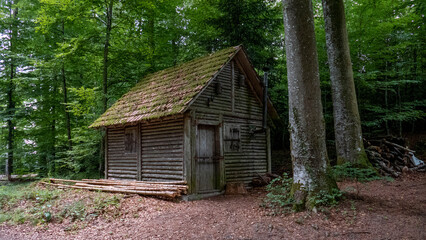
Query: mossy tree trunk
point(306, 121)
point(347, 123)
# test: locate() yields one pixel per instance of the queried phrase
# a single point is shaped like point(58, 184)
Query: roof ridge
point(167, 92)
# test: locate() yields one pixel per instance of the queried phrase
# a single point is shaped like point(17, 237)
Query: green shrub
point(348, 171)
point(325, 198)
point(280, 199)
point(75, 211)
point(279, 194)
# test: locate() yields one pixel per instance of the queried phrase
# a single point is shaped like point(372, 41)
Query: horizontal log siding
point(252, 160)
point(245, 100)
point(242, 166)
point(220, 101)
point(162, 150)
point(121, 165)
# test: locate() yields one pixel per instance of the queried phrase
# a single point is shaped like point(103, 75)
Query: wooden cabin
point(200, 122)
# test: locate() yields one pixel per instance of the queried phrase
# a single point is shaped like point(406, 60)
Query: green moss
point(298, 193)
point(170, 87)
point(361, 162)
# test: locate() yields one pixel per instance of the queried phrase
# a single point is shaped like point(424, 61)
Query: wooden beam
point(230, 114)
point(106, 153)
point(232, 87)
point(139, 151)
point(187, 149)
point(192, 184)
point(268, 149)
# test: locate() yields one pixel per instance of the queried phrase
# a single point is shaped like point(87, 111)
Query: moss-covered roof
point(167, 92)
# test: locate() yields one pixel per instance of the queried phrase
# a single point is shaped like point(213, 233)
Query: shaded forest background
point(63, 62)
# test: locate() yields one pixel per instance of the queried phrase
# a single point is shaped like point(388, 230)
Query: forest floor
point(383, 210)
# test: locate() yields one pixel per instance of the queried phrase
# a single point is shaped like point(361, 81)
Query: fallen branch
point(399, 146)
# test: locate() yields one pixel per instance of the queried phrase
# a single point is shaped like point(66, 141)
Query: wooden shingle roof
point(167, 92)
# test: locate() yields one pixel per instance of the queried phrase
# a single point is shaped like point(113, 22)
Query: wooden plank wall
point(162, 150)
point(246, 164)
point(222, 101)
point(120, 165)
point(240, 166)
point(245, 101)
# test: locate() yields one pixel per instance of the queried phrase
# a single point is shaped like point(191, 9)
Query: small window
point(130, 140)
point(232, 137)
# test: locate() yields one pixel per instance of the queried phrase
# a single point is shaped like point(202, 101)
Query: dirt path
point(386, 210)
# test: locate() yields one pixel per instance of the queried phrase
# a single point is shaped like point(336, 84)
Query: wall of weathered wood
point(119, 165)
point(238, 107)
point(159, 154)
point(162, 150)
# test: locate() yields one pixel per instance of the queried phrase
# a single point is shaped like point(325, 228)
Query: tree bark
point(306, 121)
point(65, 92)
point(51, 168)
point(10, 92)
point(347, 123)
point(386, 98)
point(105, 77)
point(151, 38)
point(106, 51)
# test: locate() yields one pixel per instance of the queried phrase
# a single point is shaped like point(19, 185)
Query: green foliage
point(347, 171)
point(64, 40)
point(325, 198)
point(280, 199)
point(12, 195)
point(23, 202)
point(279, 193)
point(74, 211)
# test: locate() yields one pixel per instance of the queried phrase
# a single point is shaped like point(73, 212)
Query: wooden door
point(207, 160)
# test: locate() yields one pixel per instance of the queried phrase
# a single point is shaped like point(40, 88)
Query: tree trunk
point(106, 51)
point(386, 98)
point(151, 38)
point(65, 91)
point(306, 121)
point(10, 101)
point(347, 123)
point(399, 109)
point(51, 168)
point(105, 77)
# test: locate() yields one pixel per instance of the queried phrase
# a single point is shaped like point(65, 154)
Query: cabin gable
point(230, 104)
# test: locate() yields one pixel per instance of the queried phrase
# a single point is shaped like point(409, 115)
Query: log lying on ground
point(19, 177)
point(390, 156)
point(165, 189)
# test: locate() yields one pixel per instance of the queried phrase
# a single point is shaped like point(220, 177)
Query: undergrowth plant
point(348, 171)
point(280, 200)
point(23, 202)
point(279, 195)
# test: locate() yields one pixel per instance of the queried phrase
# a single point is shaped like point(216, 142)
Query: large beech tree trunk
point(347, 123)
point(307, 130)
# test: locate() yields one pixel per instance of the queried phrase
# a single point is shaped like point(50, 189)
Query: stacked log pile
point(158, 189)
point(391, 157)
